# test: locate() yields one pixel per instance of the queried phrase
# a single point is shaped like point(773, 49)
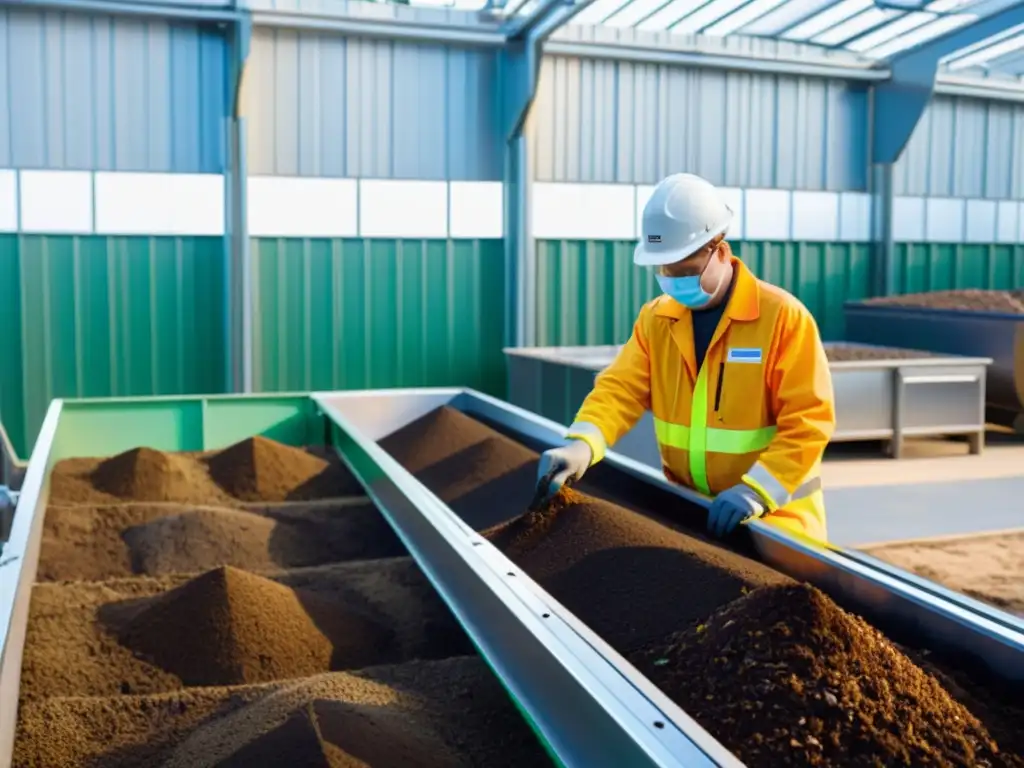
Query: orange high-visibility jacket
point(759, 411)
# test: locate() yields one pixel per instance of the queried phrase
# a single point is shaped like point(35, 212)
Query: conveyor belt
point(586, 706)
point(586, 703)
point(907, 608)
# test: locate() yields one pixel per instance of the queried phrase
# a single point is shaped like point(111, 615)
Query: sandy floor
point(987, 567)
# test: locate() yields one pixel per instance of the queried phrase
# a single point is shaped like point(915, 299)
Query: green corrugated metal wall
point(590, 292)
point(97, 316)
point(350, 314)
point(931, 267)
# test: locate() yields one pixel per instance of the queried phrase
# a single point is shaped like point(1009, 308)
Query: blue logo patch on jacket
point(743, 355)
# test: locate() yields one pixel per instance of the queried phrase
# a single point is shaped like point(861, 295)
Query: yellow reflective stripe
point(698, 442)
point(740, 440)
point(735, 441)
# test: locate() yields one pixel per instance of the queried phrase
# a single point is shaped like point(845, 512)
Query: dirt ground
point(987, 567)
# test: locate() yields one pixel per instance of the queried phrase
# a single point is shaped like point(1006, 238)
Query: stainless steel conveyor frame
point(908, 608)
point(587, 704)
point(588, 707)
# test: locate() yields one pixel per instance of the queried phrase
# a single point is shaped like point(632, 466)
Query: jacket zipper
point(718, 387)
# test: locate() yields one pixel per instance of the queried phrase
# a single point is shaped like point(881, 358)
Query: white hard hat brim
point(645, 257)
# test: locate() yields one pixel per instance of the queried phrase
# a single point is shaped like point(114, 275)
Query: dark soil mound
point(85, 543)
point(258, 469)
point(297, 741)
point(206, 538)
point(336, 734)
point(630, 578)
point(838, 353)
point(92, 543)
point(482, 475)
point(441, 714)
point(784, 677)
point(228, 627)
point(972, 300)
point(143, 474)
point(201, 539)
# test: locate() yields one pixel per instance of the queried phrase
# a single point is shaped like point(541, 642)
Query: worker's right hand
point(559, 465)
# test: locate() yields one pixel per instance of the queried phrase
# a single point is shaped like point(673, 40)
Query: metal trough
point(589, 707)
point(908, 608)
point(996, 335)
point(886, 399)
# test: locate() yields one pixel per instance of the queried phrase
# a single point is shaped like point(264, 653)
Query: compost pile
point(969, 300)
point(246, 607)
point(775, 670)
point(839, 353)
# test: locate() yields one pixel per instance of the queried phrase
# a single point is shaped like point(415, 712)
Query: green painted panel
point(99, 316)
point(590, 292)
point(939, 266)
point(105, 427)
point(822, 275)
point(354, 314)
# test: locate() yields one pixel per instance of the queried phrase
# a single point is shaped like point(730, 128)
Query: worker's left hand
point(734, 506)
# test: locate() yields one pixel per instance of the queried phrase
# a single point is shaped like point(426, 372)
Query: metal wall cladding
point(324, 105)
point(965, 147)
point(607, 121)
point(104, 93)
point(98, 316)
point(933, 267)
point(353, 314)
point(590, 292)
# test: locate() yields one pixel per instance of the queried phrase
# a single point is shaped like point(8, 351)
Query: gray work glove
point(734, 506)
point(559, 465)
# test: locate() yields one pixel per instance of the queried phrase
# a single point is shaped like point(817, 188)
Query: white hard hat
point(684, 214)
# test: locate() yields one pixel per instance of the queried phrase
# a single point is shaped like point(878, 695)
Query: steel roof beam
point(519, 63)
point(901, 100)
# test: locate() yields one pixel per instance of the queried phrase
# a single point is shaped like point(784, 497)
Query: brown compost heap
point(246, 607)
point(968, 300)
point(775, 670)
point(840, 353)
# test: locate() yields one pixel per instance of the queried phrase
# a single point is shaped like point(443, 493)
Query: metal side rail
point(898, 603)
point(967, 603)
point(588, 706)
point(909, 611)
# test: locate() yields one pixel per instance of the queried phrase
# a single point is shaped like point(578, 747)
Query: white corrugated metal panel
point(965, 148)
point(324, 105)
point(103, 93)
point(608, 121)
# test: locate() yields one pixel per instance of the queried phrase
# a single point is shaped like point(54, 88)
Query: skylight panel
point(986, 55)
point(634, 12)
point(714, 11)
point(890, 31)
point(598, 11)
point(922, 34)
point(852, 27)
point(827, 18)
point(785, 16)
point(669, 15)
point(945, 6)
point(742, 17)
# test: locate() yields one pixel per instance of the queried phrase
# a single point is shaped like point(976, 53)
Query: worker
point(731, 367)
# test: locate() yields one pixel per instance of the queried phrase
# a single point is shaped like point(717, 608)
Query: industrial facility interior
point(297, 296)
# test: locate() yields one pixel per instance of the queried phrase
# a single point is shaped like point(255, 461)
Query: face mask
point(687, 290)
